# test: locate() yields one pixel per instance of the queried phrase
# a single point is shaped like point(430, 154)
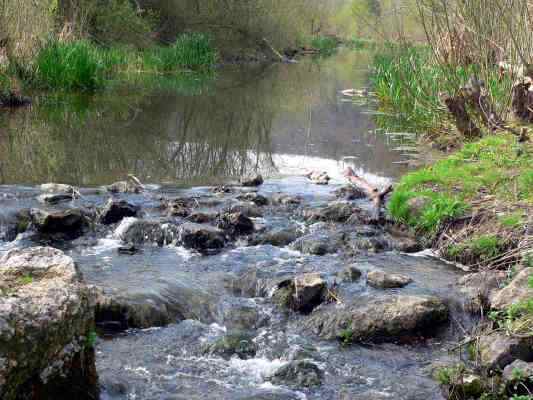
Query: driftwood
point(375, 195)
point(457, 107)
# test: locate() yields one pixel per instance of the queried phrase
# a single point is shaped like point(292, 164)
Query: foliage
point(327, 45)
point(72, 65)
point(449, 375)
point(517, 319)
point(192, 50)
point(484, 247)
point(489, 166)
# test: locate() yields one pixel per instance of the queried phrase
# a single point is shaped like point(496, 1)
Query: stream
point(173, 303)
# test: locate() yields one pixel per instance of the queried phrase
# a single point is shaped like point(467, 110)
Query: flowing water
point(282, 120)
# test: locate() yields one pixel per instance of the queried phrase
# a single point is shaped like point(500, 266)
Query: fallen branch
point(373, 193)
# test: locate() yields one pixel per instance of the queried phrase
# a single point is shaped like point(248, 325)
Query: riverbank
point(472, 207)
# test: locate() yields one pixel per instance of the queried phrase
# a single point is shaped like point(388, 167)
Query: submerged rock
point(350, 193)
point(250, 210)
point(319, 243)
point(382, 320)
point(46, 328)
point(116, 210)
point(238, 344)
point(177, 208)
point(278, 237)
point(298, 373)
point(383, 280)
point(516, 291)
point(252, 180)
point(350, 274)
point(254, 197)
point(236, 224)
point(335, 212)
point(68, 224)
point(285, 199)
point(203, 238)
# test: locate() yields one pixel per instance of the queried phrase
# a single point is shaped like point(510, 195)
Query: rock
point(129, 186)
point(478, 287)
point(303, 293)
point(116, 210)
point(178, 208)
point(237, 343)
point(349, 193)
point(129, 249)
point(320, 243)
point(381, 320)
point(319, 178)
point(382, 280)
point(236, 224)
point(270, 394)
point(203, 238)
point(240, 314)
point(253, 197)
point(518, 290)
point(278, 237)
point(138, 231)
point(55, 198)
point(350, 274)
point(68, 224)
point(335, 212)
point(285, 199)
point(249, 210)
point(202, 218)
point(417, 205)
point(222, 189)
point(46, 328)
point(298, 373)
point(498, 350)
point(252, 180)
point(57, 188)
point(518, 371)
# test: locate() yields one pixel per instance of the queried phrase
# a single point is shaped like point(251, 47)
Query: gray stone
point(253, 197)
point(350, 274)
point(46, 327)
point(278, 237)
point(233, 344)
point(140, 231)
point(236, 224)
point(478, 287)
point(67, 224)
point(516, 291)
point(383, 280)
point(498, 350)
point(116, 210)
point(381, 320)
point(518, 370)
point(203, 238)
point(319, 243)
point(248, 209)
point(252, 180)
point(298, 373)
point(335, 212)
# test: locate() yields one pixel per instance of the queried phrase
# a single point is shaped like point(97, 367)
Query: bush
point(75, 65)
point(192, 50)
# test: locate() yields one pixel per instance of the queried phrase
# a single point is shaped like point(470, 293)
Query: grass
point(517, 319)
point(408, 83)
point(82, 65)
point(325, 44)
point(489, 167)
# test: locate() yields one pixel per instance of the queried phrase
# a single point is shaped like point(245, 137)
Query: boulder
point(249, 209)
point(177, 208)
point(518, 371)
point(233, 344)
point(251, 180)
point(477, 288)
point(236, 224)
point(139, 231)
point(350, 193)
point(278, 237)
point(57, 188)
point(129, 186)
point(46, 328)
point(253, 197)
point(319, 243)
point(240, 314)
point(55, 198)
point(383, 280)
point(335, 212)
point(203, 238)
point(285, 199)
point(381, 320)
point(498, 350)
point(116, 210)
point(298, 373)
point(516, 291)
point(202, 217)
point(303, 293)
point(67, 224)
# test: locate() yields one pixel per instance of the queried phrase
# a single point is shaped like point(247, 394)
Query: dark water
point(279, 119)
point(199, 131)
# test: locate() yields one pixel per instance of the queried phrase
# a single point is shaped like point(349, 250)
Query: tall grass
point(193, 50)
point(327, 45)
point(408, 81)
point(82, 65)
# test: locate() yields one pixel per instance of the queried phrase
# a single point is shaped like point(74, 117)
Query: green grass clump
point(484, 247)
point(192, 50)
point(73, 65)
point(512, 220)
point(327, 45)
point(490, 166)
point(517, 319)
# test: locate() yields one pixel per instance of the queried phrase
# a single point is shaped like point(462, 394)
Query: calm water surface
point(202, 131)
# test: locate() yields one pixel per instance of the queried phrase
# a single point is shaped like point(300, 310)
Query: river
point(282, 120)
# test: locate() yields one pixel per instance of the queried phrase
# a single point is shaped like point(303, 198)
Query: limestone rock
point(46, 328)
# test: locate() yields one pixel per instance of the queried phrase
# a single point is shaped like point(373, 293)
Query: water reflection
point(198, 132)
